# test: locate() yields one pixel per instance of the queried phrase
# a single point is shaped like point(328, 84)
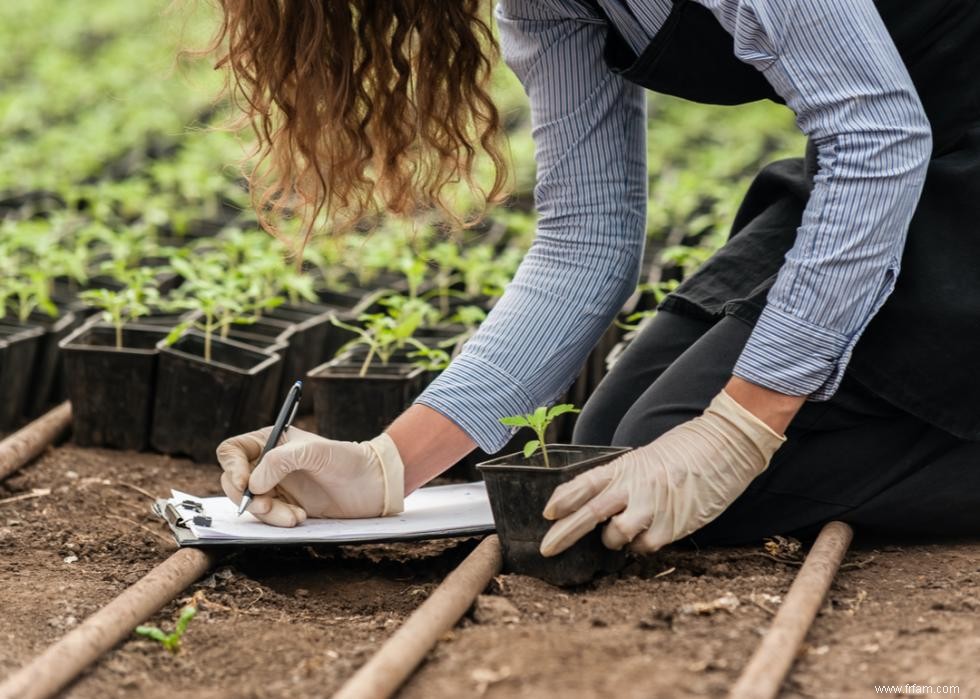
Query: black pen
point(286, 414)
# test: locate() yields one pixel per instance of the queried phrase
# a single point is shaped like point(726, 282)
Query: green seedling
point(383, 335)
point(413, 269)
point(121, 307)
point(410, 309)
point(485, 271)
point(170, 641)
point(220, 297)
point(125, 247)
point(428, 358)
point(447, 259)
point(326, 255)
point(538, 421)
point(469, 317)
point(26, 293)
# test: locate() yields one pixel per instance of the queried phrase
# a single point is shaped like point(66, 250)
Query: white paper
point(436, 511)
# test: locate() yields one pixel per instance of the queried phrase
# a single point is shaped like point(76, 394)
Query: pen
point(286, 414)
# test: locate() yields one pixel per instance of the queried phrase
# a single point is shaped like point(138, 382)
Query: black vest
point(921, 352)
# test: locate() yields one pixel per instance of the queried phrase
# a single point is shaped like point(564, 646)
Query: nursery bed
point(297, 622)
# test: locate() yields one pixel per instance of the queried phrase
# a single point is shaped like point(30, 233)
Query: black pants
point(854, 458)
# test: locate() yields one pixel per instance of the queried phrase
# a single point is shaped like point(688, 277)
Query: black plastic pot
point(245, 335)
point(111, 390)
point(343, 300)
point(519, 489)
point(356, 408)
point(314, 340)
point(18, 350)
point(269, 335)
point(48, 378)
point(166, 319)
point(198, 404)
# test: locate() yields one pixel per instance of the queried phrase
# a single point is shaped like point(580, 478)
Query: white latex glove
point(668, 489)
point(309, 476)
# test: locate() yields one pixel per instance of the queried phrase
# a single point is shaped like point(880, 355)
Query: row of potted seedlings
point(180, 359)
point(211, 358)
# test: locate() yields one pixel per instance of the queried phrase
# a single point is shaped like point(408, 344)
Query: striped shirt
point(837, 68)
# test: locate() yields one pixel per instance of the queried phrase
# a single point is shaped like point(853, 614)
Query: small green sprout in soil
point(538, 421)
point(170, 641)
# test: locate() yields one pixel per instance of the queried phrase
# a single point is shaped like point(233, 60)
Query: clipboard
point(430, 513)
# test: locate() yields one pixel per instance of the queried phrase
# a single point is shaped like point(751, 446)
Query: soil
point(296, 622)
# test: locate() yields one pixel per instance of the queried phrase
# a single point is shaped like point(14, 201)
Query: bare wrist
point(428, 443)
point(775, 409)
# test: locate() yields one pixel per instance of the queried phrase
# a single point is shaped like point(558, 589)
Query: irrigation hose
point(772, 660)
point(66, 658)
point(398, 657)
point(30, 440)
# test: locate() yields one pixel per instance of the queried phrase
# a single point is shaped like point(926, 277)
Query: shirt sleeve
point(838, 69)
point(589, 129)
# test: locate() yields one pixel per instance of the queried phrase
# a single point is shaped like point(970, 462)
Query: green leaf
point(515, 421)
point(539, 419)
point(175, 334)
point(561, 410)
point(186, 614)
point(183, 268)
point(531, 447)
point(152, 632)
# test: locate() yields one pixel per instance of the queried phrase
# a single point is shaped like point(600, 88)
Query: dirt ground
point(296, 622)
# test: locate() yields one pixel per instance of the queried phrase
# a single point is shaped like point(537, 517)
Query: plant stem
point(544, 449)
point(208, 330)
point(367, 361)
point(119, 336)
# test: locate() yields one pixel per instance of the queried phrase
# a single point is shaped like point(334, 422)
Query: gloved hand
point(667, 489)
point(307, 475)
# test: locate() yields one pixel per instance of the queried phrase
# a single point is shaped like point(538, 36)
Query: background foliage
point(99, 125)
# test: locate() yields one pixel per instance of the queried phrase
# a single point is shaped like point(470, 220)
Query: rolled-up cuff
point(790, 355)
point(475, 394)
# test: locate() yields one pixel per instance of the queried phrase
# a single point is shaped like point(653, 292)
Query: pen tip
point(299, 383)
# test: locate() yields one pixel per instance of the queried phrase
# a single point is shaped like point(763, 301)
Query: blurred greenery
point(97, 112)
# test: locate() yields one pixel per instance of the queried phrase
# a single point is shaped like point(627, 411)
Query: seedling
point(538, 421)
point(220, 298)
point(410, 309)
point(170, 641)
point(382, 334)
point(326, 256)
point(447, 258)
point(26, 293)
point(118, 307)
point(428, 358)
point(469, 317)
point(486, 271)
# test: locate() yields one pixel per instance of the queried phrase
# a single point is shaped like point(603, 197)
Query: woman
point(795, 378)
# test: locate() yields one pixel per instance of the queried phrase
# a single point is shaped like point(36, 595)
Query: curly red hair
point(360, 105)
